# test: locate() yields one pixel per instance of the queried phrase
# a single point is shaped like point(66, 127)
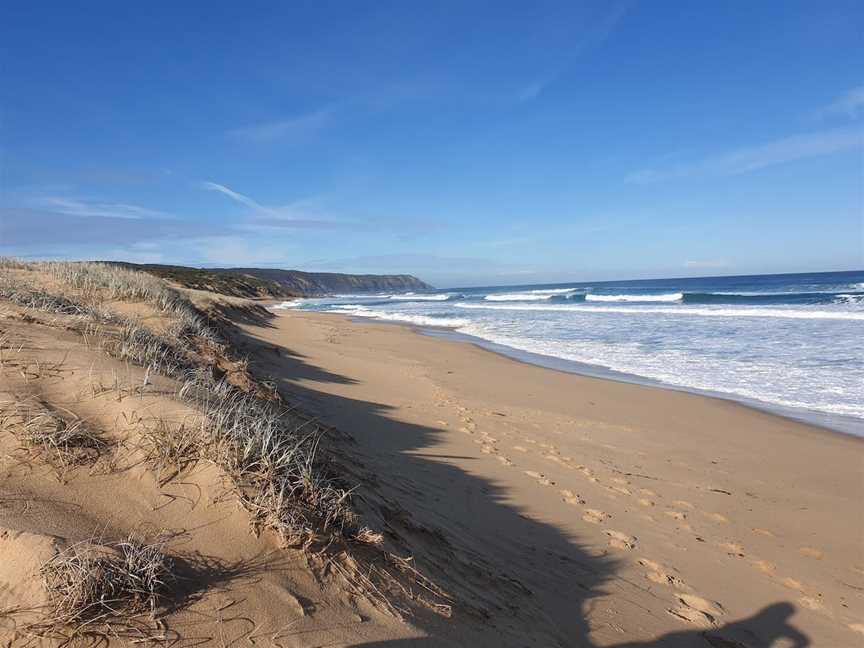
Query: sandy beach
point(611, 514)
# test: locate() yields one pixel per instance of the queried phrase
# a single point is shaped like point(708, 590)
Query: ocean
point(789, 343)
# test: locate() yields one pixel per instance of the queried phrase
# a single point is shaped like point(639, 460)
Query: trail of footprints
point(687, 607)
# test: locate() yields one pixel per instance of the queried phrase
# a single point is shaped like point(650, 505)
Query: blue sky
point(465, 142)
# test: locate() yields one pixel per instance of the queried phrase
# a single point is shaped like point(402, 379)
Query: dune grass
point(272, 454)
point(272, 457)
point(63, 441)
point(40, 299)
point(170, 449)
point(94, 283)
point(104, 586)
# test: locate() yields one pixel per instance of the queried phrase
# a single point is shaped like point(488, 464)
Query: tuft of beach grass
point(105, 586)
point(64, 441)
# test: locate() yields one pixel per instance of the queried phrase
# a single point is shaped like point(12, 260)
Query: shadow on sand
point(546, 598)
point(761, 630)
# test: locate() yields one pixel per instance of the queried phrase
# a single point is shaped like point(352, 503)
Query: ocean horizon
point(788, 343)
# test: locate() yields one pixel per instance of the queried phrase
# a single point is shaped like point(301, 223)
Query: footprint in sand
point(540, 477)
point(696, 610)
point(504, 460)
point(589, 474)
point(764, 566)
point(717, 517)
point(559, 461)
point(676, 515)
point(657, 573)
point(646, 502)
point(620, 540)
point(792, 584)
point(619, 489)
point(520, 448)
point(572, 498)
point(683, 504)
point(594, 516)
point(811, 552)
point(733, 549)
point(764, 532)
point(811, 603)
point(647, 492)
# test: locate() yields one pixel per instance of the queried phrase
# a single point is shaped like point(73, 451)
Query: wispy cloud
point(97, 209)
point(299, 214)
point(850, 104)
point(288, 129)
point(593, 35)
point(788, 149)
point(23, 227)
point(235, 196)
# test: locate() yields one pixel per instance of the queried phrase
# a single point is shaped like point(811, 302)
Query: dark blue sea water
point(789, 342)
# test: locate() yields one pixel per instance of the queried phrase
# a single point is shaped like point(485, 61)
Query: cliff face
point(268, 282)
point(317, 283)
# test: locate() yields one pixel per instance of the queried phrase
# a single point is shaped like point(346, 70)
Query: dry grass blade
point(92, 584)
point(273, 459)
point(40, 300)
point(169, 450)
point(63, 441)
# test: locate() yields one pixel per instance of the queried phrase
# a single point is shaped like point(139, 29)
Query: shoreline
point(833, 423)
point(631, 512)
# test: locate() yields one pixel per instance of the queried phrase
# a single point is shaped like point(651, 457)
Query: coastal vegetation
point(275, 460)
point(276, 283)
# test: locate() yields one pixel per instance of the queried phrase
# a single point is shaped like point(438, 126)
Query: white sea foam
point(420, 320)
point(531, 295)
point(691, 311)
point(287, 304)
point(517, 297)
point(668, 297)
point(415, 297)
point(675, 368)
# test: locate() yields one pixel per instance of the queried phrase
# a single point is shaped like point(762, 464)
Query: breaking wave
point(356, 310)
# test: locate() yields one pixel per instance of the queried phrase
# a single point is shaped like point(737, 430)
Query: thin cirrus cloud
point(97, 209)
point(788, 149)
point(595, 33)
point(284, 130)
point(293, 215)
point(22, 228)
